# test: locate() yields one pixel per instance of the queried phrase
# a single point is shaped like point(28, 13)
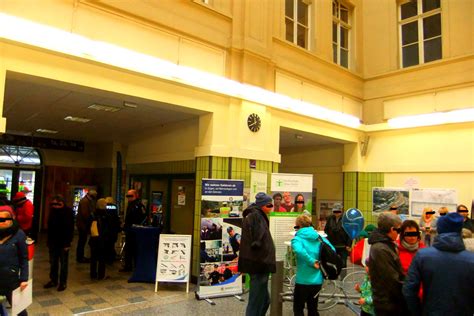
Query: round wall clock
point(254, 122)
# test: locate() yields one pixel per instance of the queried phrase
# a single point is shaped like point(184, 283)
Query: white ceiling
point(31, 103)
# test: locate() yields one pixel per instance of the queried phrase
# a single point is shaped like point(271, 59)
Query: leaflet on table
point(174, 258)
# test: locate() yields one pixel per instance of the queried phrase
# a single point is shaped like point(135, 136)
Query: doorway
point(182, 206)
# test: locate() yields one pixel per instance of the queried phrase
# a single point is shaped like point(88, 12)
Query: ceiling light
point(129, 105)
point(438, 118)
point(105, 108)
point(76, 119)
point(46, 131)
point(298, 136)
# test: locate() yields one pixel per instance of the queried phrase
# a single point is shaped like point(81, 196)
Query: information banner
point(258, 183)
point(432, 198)
point(282, 230)
point(221, 228)
point(174, 259)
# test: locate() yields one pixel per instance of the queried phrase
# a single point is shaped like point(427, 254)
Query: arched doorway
point(21, 170)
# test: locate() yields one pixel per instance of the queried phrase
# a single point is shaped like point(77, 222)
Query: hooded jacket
point(306, 247)
point(257, 251)
point(386, 275)
point(24, 215)
point(446, 272)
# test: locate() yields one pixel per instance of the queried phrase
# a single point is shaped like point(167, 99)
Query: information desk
point(146, 245)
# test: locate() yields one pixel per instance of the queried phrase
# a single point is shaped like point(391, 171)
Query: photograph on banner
point(432, 198)
point(211, 229)
point(229, 208)
point(221, 273)
point(384, 198)
point(295, 191)
point(231, 235)
point(325, 209)
point(211, 251)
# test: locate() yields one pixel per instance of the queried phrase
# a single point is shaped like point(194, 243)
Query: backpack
point(330, 262)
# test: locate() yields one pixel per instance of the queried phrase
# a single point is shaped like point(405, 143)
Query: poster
point(174, 259)
point(383, 198)
point(433, 198)
point(221, 228)
point(181, 195)
point(258, 183)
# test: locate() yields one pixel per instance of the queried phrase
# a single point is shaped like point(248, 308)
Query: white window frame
point(421, 41)
point(294, 19)
point(341, 24)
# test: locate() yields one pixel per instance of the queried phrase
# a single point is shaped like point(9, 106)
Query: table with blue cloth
point(146, 245)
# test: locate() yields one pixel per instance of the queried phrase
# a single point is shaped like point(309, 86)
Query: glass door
point(26, 183)
point(6, 182)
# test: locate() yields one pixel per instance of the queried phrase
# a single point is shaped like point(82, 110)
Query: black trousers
point(306, 295)
point(130, 250)
point(81, 244)
point(58, 260)
point(97, 268)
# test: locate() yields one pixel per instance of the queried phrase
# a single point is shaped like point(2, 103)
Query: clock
point(254, 122)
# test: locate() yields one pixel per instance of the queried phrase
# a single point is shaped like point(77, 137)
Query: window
point(341, 27)
point(297, 22)
point(420, 32)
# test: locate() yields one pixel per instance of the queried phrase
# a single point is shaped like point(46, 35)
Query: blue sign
point(222, 187)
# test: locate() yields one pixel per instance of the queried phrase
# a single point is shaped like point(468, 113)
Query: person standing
point(409, 243)
point(60, 234)
point(99, 240)
point(83, 224)
point(257, 253)
point(385, 269)
point(13, 255)
point(115, 223)
point(445, 271)
point(464, 212)
point(136, 215)
point(24, 212)
point(427, 218)
point(337, 235)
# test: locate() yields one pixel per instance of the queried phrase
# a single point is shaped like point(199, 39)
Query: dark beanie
point(451, 223)
point(262, 199)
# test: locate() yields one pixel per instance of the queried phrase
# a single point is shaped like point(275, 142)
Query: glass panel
point(302, 36)
point(289, 8)
point(344, 15)
point(5, 183)
point(334, 53)
point(334, 9)
point(289, 30)
point(410, 33)
point(19, 155)
point(433, 49)
point(408, 9)
point(344, 38)
point(429, 5)
point(344, 58)
point(334, 32)
point(432, 26)
point(26, 183)
point(302, 13)
point(410, 55)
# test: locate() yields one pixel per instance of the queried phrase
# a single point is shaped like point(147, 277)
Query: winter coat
point(84, 212)
point(386, 275)
point(104, 227)
point(60, 227)
point(257, 251)
point(136, 214)
point(336, 234)
point(13, 262)
point(306, 247)
point(446, 272)
point(406, 257)
point(24, 215)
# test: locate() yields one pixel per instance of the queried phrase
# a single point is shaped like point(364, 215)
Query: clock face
point(253, 122)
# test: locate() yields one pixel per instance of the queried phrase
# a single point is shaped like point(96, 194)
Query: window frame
point(419, 17)
point(296, 23)
point(340, 24)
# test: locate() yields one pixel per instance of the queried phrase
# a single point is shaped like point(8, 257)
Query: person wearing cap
point(257, 253)
point(83, 223)
point(337, 235)
point(445, 271)
point(13, 255)
point(24, 212)
point(464, 212)
point(60, 234)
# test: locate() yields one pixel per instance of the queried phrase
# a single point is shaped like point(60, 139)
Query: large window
point(297, 22)
point(341, 28)
point(420, 32)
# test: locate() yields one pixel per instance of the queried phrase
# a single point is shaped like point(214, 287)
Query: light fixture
point(129, 105)
point(298, 136)
point(46, 131)
point(76, 119)
point(437, 118)
point(105, 108)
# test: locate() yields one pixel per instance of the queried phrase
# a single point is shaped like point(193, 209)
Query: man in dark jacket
point(337, 235)
point(446, 272)
point(257, 253)
point(136, 215)
point(83, 223)
point(60, 233)
point(385, 269)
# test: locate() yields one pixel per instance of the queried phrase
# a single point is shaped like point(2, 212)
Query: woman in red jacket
point(409, 243)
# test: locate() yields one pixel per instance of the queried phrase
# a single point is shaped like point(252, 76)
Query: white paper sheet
point(22, 299)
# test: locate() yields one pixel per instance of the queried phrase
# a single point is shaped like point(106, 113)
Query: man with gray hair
point(385, 269)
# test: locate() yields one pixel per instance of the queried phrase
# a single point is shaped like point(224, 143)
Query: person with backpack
point(337, 235)
point(309, 277)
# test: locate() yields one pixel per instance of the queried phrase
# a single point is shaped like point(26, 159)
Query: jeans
point(259, 298)
point(58, 257)
point(81, 243)
point(306, 294)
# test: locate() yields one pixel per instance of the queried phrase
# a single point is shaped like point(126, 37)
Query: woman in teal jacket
point(309, 278)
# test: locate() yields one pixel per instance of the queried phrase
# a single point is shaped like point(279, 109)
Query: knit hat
point(450, 223)
point(262, 199)
point(6, 208)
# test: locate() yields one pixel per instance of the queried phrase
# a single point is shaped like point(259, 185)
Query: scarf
point(410, 247)
point(9, 231)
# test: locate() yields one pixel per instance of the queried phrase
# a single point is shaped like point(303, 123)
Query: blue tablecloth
point(146, 244)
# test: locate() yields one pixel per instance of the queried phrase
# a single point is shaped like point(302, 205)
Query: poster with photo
point(383, 198)
point(221, 228)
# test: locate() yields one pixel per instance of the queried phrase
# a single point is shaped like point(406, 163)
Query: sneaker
point(49, 285)
point(61, 287)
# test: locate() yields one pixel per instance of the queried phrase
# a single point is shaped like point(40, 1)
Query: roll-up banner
point(221, 228)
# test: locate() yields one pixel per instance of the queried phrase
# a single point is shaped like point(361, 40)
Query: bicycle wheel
point(349, 282)
point(326, 299)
